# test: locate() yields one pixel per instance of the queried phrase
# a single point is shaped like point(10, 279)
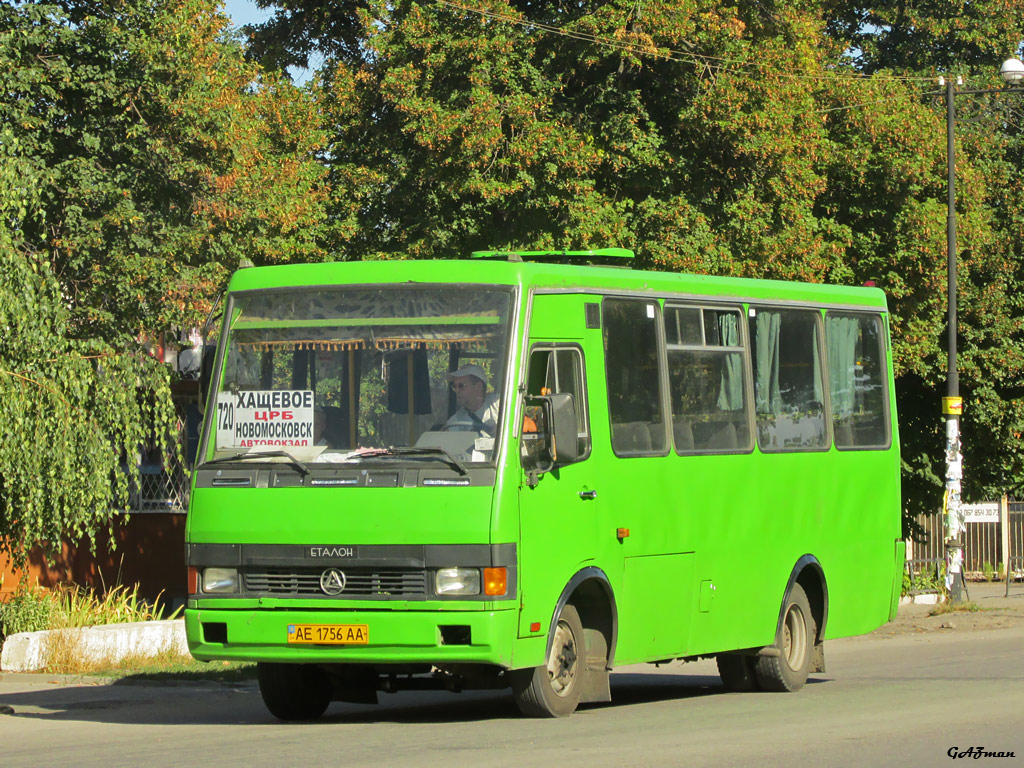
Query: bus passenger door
point(560, 509)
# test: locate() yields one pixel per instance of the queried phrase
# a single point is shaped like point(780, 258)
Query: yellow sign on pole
point(952, 406)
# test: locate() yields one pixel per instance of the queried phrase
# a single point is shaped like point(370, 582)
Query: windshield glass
point(336, 375)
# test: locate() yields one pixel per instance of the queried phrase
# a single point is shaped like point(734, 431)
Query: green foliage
point(32, 608)
point(80, 607)
point(164, 157)
point(924, 581)
point(27, 609)
point(141, 158)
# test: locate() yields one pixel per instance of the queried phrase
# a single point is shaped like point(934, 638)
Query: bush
point(925, 580)
point(66, 606)
point(28, 609)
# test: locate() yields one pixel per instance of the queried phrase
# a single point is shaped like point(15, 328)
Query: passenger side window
point(706, 376)
point(788, 392)
point(857, 386)
point(560, 369)
point(634, 378)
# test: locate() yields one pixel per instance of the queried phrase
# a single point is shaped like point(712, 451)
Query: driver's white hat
point(469, 369)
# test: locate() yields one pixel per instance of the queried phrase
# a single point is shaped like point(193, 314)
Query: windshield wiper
point(260, 455)
point(441, 453)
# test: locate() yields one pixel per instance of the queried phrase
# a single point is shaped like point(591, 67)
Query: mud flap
point(596, 686)
point(818, 659)
point(596, 683)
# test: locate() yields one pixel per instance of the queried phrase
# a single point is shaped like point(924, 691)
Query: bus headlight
point(457, 581)
point(220, 580)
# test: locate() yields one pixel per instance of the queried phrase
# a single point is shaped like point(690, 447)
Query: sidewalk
point(989, 594)
point(997, 612)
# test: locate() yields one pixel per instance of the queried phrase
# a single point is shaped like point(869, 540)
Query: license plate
point(329, 634)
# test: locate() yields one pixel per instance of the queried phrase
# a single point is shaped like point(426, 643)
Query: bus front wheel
point(553, 690)
point(794, 641)
point(293, 691)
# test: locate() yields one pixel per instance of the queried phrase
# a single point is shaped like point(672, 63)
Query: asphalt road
point(885, 700)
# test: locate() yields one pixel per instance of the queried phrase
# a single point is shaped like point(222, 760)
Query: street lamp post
point(1012, 73)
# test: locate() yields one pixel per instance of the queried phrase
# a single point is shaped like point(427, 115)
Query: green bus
point(521, 470)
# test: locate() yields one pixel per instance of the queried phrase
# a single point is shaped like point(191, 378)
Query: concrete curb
point(925, 599)
point(110, 643)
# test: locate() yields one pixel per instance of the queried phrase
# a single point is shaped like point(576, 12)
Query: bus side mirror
point(549, 433)
point(564, 439)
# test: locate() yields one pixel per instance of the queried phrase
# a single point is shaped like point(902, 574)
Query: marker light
point(495, 581)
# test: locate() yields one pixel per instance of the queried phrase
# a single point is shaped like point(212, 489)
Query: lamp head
point(1012, 71)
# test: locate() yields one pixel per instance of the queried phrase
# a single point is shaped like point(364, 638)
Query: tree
point(792, 139)
point(146, 159)
point(902, 236)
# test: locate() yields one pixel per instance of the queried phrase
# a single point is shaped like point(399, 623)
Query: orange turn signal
point(193, 580)
point(495, 581)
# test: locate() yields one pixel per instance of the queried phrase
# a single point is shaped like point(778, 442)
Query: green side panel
point(657, 606)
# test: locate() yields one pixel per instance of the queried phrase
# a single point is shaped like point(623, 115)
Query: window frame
point(884, 366)
point(580, 356)
point(819, 319)
point(661, 360)
point(745, 356)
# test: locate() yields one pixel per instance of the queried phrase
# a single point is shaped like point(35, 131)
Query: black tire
point(553, 690)
point(738, 673)
point(293, 691)
point(795, 642)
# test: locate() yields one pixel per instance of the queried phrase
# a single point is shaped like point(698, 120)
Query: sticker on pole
point(265, 418)
point(952, 406)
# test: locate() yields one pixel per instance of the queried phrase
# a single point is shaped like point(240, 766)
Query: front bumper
point(395, 637)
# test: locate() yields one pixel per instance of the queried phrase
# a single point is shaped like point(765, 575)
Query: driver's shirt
point(487, 414)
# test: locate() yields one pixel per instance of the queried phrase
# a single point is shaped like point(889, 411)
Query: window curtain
point(768, 398)
point(842, 334)
point(730, 393)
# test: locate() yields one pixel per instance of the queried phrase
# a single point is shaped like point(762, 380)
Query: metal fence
point(989, 548)
point(161, 488)
point(163, 478)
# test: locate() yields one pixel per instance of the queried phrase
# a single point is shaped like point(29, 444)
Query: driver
point(478, 411)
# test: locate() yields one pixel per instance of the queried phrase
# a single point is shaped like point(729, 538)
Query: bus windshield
point(357, 374)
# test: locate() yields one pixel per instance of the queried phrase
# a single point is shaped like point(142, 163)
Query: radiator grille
point(359, 582)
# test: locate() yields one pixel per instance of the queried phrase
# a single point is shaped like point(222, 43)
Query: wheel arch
point(810, 575)
point(590, 591)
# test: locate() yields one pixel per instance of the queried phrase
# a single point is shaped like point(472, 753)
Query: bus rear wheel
point(794, 641)
point(553, 690)
point(293, 691)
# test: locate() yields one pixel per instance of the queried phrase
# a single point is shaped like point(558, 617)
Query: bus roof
point(547, 276)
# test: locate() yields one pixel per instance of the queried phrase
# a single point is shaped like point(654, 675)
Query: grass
point(167, 667)
point(67, 606)
point(948, 607)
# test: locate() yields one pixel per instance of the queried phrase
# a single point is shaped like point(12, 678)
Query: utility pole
point(952, 404)
point(1012, 73)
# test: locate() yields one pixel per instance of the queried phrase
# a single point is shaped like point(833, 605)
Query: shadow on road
point(242, 705)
